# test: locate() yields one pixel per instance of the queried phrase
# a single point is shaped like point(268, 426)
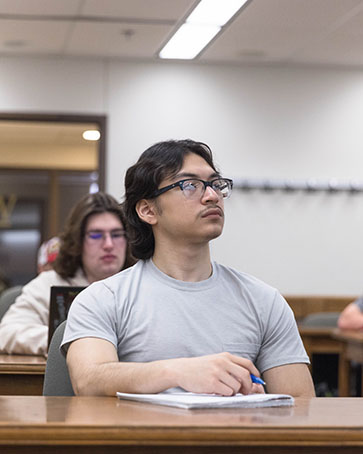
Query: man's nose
point(210, 195)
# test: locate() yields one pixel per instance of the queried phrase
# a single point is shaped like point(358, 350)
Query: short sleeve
point(92, 314)
point(281, 343)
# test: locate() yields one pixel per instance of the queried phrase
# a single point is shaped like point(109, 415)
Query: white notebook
point(191, 400)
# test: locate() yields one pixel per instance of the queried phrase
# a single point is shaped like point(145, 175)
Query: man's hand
point(223, 373)
point(257, 389)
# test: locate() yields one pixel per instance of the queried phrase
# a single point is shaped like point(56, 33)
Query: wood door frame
point(100, 120)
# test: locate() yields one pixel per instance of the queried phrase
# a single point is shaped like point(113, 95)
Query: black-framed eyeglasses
point(194, 188)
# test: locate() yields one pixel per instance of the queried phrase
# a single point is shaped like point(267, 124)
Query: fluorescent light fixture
point(188, 41)
point(91, 134)
point(214, 12)
point(200, 27)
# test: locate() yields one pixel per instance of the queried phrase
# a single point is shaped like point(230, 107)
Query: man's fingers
point(245, 363)
point(241, 369)
point(257, 389)
point(223, 374)
point(232, 382)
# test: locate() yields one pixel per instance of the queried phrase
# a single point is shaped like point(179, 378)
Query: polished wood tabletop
point(56, 424)
point(21, 374)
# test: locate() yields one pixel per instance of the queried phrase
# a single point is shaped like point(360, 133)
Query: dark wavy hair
point(69, 258)
point(160, 161)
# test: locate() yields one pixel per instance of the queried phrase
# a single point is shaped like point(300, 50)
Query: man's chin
point(215, 233)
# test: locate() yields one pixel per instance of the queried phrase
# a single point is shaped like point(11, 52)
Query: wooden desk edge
point(22, 364)
point(192, 436)
point(196, 432)
point(32, 369)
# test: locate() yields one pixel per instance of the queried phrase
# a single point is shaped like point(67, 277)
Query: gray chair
point(8, 297)
point(56, 379)
point(326, 319)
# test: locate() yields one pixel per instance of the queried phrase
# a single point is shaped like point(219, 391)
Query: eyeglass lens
point(195, 188)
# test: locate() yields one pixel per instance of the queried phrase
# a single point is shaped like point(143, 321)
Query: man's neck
point(185, 264)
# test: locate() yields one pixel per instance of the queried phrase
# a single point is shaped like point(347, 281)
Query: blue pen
point(257, 380)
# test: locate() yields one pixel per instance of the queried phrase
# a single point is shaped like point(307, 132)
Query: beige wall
point(267, 122)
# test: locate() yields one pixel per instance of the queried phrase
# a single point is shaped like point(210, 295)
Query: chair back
point(56, 379)
point(8, 297)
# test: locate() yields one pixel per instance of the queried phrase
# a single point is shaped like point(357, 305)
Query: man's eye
point(191, 185)
point(220, 185)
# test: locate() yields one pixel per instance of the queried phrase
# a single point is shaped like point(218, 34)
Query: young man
point(176, 319)
point(93, 247)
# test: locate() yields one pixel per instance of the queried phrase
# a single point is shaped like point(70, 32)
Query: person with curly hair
point(93, 246)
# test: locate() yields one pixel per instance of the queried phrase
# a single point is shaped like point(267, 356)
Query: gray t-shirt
point(150, 316)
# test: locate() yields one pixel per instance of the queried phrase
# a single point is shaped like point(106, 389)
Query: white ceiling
point(289, 32)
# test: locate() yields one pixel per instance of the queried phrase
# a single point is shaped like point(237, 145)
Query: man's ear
point(146, 211)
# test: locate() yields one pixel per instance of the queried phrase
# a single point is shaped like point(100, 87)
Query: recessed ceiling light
point(91, 134)
point(200, 27)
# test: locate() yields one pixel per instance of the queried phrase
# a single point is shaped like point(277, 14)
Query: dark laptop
point(61, 298)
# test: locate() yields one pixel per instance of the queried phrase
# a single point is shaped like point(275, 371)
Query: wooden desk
point(321, 340)
point(21, 375)
point(36, 424)
point(352, 343)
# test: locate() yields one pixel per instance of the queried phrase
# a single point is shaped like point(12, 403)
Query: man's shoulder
point(229, 273)
point(121, 278)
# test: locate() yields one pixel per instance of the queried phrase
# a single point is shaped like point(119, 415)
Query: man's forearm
point(111, 377)
point(222, 373)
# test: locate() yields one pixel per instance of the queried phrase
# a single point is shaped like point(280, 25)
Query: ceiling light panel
point(215, 12)
point(200, 27)
point(188, 41)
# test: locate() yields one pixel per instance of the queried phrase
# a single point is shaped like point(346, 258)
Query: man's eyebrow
point(194, 175)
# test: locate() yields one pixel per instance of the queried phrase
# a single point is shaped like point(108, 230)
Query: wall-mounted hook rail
point(331, 185)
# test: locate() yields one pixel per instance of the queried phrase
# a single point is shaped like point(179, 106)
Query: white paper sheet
point(191, 400)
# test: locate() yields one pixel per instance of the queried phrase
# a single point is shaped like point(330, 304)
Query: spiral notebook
point(192, 401)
